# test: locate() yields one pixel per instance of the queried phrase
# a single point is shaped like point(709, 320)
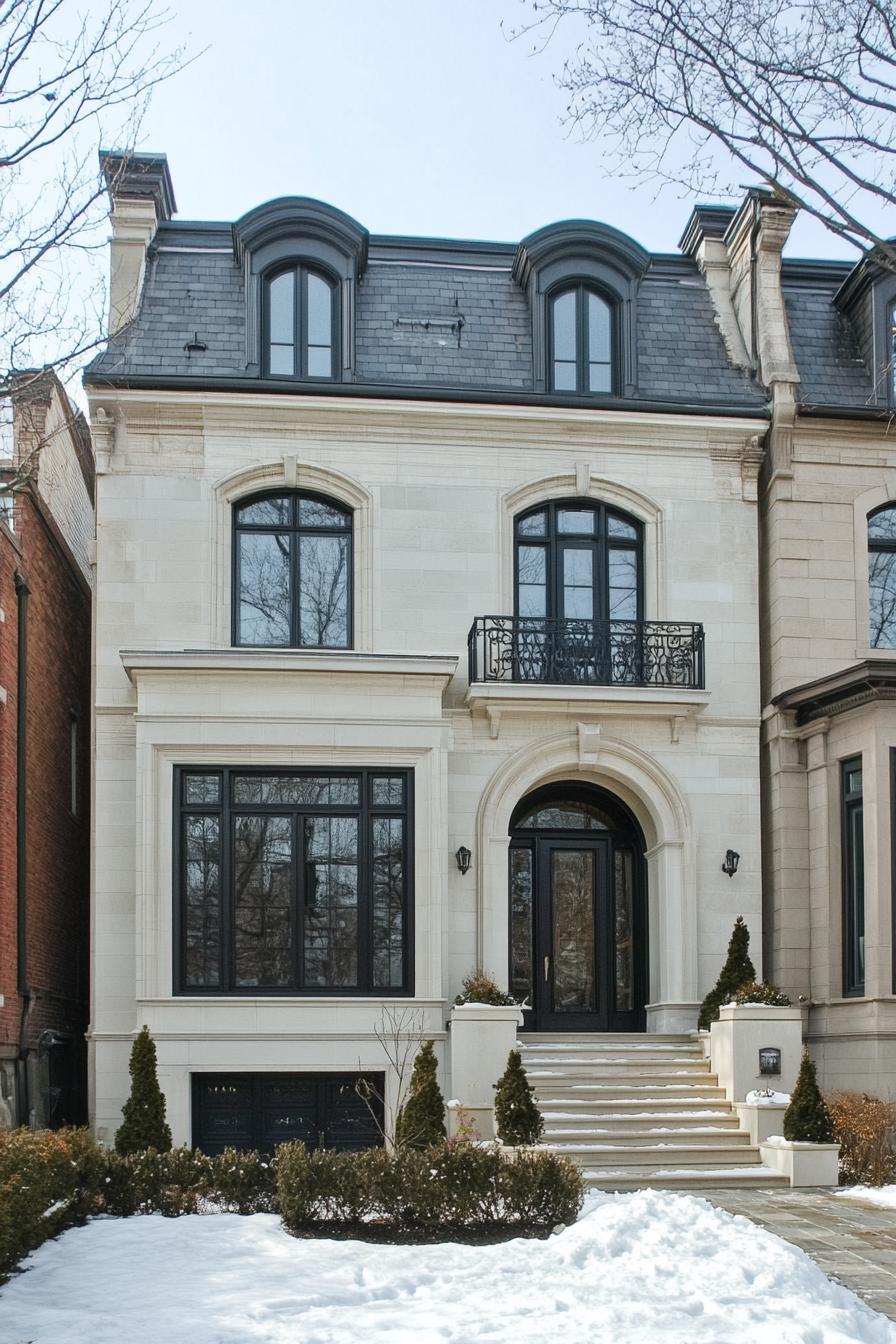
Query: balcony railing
point(586, 653)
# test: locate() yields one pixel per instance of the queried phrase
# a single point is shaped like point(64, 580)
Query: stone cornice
point(290, 661)
point(863, 683)
point(172, 412)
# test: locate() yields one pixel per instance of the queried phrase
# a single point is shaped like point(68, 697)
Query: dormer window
point(302, 261)
point(581, 337)
point(582, 280)
point(300, 324)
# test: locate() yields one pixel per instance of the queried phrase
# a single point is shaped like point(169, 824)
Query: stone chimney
point(142, 196)
point(754, 241)
point(704, 240)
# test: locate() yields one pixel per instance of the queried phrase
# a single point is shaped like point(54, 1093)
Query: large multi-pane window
point(853, 842)
point(292, 572)
point(578, 560)
point(299, 322)
point(882, 578)
point(293, 881)
point(581, 339)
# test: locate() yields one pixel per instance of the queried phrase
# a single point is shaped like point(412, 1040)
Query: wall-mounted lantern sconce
point(769, 1060)
point(463, 857)
point(732, 859)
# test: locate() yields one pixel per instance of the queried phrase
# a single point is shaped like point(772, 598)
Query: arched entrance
point(578, 927)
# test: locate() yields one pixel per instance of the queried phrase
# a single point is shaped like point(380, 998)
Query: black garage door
point(260, 1110)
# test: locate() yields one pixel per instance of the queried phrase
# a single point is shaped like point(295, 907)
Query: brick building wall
point(42, 1029)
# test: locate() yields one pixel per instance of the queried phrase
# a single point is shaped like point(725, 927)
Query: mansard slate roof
point(409, 295)
point(451, 318)
point(829, 345)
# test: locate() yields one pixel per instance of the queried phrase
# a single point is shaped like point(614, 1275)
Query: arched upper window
point(300, 324)
point(882, 578)
point(292, 560)
point(578, 560)
point(581, 334)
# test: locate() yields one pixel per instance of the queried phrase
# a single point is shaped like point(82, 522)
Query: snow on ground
point(884, 1196)
point(644, 1267)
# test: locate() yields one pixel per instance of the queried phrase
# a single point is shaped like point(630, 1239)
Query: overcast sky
point(415, 116)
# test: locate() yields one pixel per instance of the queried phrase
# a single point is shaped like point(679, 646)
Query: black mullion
point(364, 935)
point(228, 927)
point(582, 342)
point(297, 898)
point(294, 573)
point(302, 320)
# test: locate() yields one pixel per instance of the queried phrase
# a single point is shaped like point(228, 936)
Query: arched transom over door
point(578, 929)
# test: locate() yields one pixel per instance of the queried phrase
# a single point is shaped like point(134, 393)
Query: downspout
point(754, 272)
point(23, 1089)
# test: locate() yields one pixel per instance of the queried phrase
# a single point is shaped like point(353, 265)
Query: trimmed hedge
point(49, 1181)
point(53, 1180)
point(449, 1188)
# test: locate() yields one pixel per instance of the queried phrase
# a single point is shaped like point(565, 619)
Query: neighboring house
point(46, 535)
point(428, 637)
point(829, 590)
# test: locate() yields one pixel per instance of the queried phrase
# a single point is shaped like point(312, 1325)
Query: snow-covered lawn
point(643, 1267)
point(884, 1196)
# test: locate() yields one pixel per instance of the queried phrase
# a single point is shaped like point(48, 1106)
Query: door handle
point(321, 1139)
point(547, 964)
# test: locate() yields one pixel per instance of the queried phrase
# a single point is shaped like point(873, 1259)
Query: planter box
point(740, 1033)
point(480, 1038)
point(803, 1163)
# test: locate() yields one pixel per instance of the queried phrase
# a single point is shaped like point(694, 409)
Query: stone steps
point(640, 1111)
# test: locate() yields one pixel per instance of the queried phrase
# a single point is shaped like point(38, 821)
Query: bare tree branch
point(72, 77)
point(800, 93)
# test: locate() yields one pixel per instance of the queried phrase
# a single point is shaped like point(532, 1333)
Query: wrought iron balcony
point(586, 653)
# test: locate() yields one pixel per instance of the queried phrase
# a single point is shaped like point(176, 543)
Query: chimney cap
point(139, 175)
point(706, 221)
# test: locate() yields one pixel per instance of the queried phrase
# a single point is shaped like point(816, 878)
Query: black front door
point(577, 912)
point(572, 963)
point(261, 1110)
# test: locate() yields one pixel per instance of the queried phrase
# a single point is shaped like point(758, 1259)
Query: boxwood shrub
point(449, 1189)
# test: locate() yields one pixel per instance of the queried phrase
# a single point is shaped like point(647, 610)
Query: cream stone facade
point(436, 488)
point(447, 433)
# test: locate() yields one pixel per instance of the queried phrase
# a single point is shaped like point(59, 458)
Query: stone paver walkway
point(853, 1242)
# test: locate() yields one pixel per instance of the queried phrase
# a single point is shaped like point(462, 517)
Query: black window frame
point(851, 802)
point(878, 546)
point(296, 530)
point(582, 289)
point(600, 544)
point(366, 812)
point(300, 271)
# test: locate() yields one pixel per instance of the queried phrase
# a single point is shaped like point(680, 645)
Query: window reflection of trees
point(882, 578)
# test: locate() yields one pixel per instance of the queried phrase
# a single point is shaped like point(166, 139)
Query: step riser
point(690, 1183)
point(632, 1117)
point(646, 1139)
point(705, 1157)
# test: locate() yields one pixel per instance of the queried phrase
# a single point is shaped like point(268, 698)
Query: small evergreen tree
point(517, 1117)
point(144, 1123)
point(421, 1120)
point(737, 971)
point(807, 1119)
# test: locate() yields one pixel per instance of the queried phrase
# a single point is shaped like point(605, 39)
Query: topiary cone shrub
point(421, 1120)
point(517, 1117)
point(807, 1119)
point(144, 1124)
point(737, 971)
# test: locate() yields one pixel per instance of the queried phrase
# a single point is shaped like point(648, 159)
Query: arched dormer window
point(882, 578)
point(292, 572)
point(581, 336)
point(300, 319)
point(302, 261)
point(582, 281)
